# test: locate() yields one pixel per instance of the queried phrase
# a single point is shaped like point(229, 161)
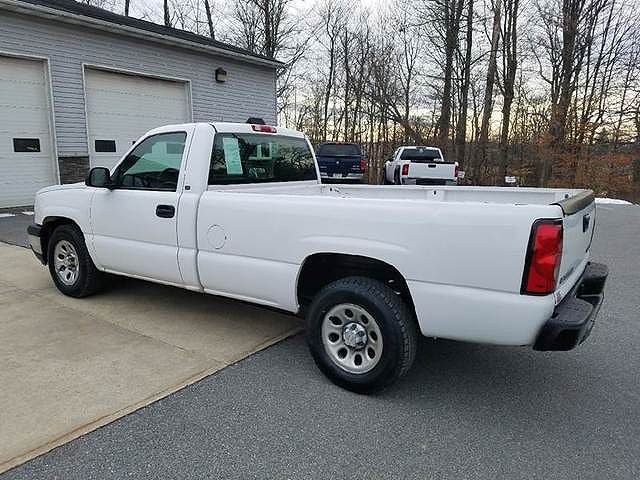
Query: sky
point(141, 6)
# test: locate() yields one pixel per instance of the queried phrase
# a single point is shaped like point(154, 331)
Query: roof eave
point(48, 13)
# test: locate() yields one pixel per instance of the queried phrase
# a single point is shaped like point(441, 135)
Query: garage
point(26, 153)
point(79, 84)
point(122, 107)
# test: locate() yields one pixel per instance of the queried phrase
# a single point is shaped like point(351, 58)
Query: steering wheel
point(168, 178)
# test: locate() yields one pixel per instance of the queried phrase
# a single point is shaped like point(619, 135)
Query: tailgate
point(441, 170)
point(578, 223)
point(341, 164)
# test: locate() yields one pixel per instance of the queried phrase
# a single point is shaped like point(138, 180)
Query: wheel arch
point(49, 224)
point(321, 268)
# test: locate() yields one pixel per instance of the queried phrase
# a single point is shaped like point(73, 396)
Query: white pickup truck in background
point(238, 210)
point(420, 166)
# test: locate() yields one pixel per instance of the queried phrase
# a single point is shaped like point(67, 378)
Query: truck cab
point(341, 162)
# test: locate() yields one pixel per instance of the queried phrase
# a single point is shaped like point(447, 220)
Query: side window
point(154, 164)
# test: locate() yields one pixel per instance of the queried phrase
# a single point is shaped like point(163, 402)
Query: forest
point(547, 91)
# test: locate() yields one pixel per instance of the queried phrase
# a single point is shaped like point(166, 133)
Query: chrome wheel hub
point(65, 262)
point(354, 335)
point(351, 338)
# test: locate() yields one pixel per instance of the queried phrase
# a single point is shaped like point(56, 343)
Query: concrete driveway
point(463, 412)
point(70, 366)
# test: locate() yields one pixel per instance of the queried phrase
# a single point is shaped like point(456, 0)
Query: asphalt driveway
point(13, 226)
point(464, 411)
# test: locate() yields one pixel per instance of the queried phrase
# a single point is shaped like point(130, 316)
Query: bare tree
point(507, 79)
point(332, 13)
point(167, 17)
point(207, 8)
point(461, 130)
point(448, 19)
point(491, 77)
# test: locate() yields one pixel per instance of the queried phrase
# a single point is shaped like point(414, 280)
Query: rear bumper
point(349, 176)
point(428, 181)
point(574, 317)
point(34, 232)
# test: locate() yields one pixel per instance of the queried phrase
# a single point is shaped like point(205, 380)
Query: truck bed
point(504, 215)
point(490, 195)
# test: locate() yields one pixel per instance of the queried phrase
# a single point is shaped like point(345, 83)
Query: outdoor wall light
point(221, 75)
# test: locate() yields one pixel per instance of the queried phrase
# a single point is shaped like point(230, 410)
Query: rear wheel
point(70, 265)
point(361, 334)
point(385, 181)
point(396, 176)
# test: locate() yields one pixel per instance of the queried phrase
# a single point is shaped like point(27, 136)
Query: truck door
point(134, 224)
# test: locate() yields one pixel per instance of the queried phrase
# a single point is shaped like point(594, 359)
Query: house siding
point(248, 92)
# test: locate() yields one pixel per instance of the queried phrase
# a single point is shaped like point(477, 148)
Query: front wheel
point(70, 265)
point(361, 334)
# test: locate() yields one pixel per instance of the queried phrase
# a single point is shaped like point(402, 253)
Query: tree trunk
point(347, 83)
point(269, 42)
point(167, 17)
point(511, 65)
point(491, 76)
point(571, 11)
point(461, 133)
point(452, 13)
point(207, 8)
point(327, 93)
point(126, 8)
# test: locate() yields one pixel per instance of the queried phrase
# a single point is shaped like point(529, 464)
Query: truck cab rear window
point(339, 150)
point(421, 156)
point(258, 158)
point(21, 145)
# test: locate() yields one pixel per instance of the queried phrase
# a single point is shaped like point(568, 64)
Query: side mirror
point(99, 177)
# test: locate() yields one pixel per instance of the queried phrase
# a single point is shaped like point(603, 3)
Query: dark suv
point(341, 161)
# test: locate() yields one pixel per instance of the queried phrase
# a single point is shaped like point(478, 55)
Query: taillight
point(264, 128)
point(543, 258)
point(363, 165)
point(456, 170)
point(405, 169)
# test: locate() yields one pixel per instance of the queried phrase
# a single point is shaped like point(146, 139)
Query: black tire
point(396, 324)
point(384, 177)
point(89, 279)
point(396, 176)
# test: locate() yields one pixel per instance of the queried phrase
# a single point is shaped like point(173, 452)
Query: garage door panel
point(24, 115)
point(123, 107)
point(25, 122)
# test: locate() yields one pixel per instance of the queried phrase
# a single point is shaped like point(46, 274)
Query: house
point(79, 84)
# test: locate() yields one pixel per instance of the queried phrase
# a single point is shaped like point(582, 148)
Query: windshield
point(339, 150)
point(420, 155)
point(256, 158)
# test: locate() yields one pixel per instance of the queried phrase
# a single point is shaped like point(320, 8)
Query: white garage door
point(26, 153)
point(121, 108)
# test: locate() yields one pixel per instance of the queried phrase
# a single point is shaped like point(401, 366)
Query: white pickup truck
point(238, 210)
point(420, 166)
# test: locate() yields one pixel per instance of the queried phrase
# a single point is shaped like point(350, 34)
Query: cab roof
point(227, 127)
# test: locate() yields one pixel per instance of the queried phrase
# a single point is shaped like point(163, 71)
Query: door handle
point(165, 211)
